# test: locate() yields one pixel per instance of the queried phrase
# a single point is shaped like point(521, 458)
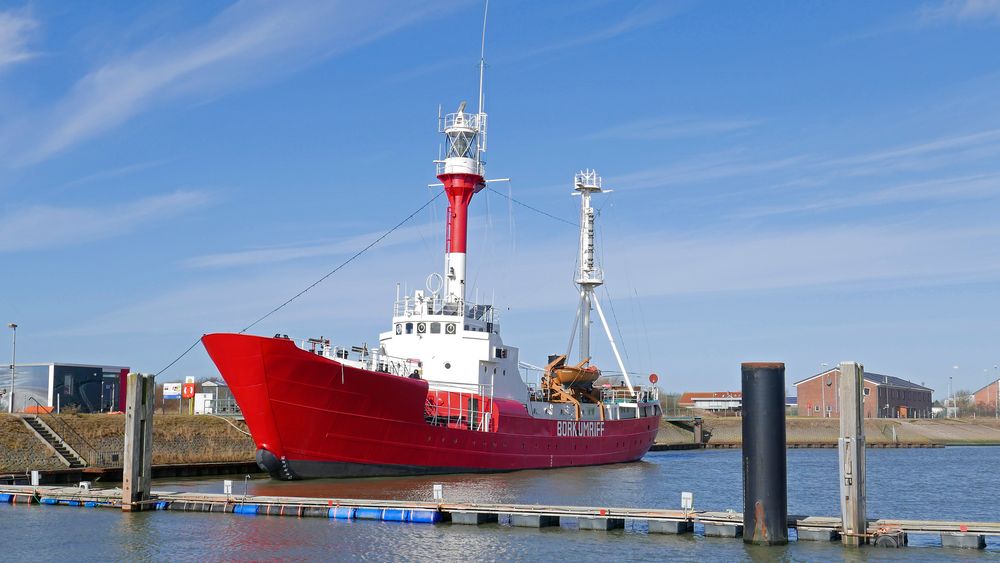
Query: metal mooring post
point(765, 486)
point(137, 469)
point(851, 446)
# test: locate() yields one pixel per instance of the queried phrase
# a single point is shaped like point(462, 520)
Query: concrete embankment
point(188, 441)
point(177, 440)
point(819, 432)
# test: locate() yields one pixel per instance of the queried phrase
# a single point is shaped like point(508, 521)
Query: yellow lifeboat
point(579, 375)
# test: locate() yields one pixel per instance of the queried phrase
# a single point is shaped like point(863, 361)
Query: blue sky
point(800, 181)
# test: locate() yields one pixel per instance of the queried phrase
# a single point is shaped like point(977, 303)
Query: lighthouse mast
point(589, 276)
point(462, 172)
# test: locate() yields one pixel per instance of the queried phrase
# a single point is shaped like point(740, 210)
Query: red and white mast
point(462, 172)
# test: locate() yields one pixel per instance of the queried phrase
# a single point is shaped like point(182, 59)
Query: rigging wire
point(177, 359)
point(317, 282)
point(535, 209)
point(344, 263)
point(611, 302)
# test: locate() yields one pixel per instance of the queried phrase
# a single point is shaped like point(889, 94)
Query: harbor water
point(955, 483)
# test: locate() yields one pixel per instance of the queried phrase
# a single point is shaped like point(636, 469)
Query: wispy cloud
point(16, 29)
point(246, 43)
point(825, 256)
point(960, 11)
point(703, 169)
point(962, 188)
point(672, 127)
point(907, 156)
point(640, 18)
point(44, 226)
point(287, 253)
point(116, 172)
point(884, 256)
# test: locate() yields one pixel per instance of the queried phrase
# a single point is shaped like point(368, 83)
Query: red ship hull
point(311, 416)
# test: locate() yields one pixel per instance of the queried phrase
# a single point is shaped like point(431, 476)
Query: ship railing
point(370, 359)
point(615, 395)
point(467, 406)
point(474, 121)
point(596, 275)
point(436, 305)
point(384, 363)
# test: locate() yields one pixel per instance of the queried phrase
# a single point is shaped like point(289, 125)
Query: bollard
point(765, 493)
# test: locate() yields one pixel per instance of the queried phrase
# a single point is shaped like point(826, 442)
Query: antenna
point(482, 56)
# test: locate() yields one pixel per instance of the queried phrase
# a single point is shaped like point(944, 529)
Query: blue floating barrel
point(72, 503)
point(245, 509)
point(90, 504)
point(6, 497)
point(366, 513)
point(162, 505)
point(342, 512)
point(48, 500)
point(425, 516)
point(395, 515)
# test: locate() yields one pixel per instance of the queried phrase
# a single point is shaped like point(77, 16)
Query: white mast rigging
point(590, 276)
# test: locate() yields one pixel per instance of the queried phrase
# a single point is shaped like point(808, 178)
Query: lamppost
point(13, 362)
point(952, 395)
point(822, 386)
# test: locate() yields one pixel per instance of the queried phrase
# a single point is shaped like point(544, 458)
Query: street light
point(13, 357)
point(951, 394)
point(822, 386)
point(996, 403)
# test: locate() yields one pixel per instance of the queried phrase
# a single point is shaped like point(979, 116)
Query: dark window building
point(57, 386)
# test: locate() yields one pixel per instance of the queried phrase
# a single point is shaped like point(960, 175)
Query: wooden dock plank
point(113, 497)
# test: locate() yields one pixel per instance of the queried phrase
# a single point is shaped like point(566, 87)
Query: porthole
point(447, 365)
point(399, 329)
point(421, 328)
point(449, 328)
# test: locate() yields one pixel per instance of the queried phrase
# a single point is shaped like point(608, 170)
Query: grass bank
point(727, 431)
point(176, 439)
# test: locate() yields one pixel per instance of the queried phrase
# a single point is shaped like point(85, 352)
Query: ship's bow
point(240, 359)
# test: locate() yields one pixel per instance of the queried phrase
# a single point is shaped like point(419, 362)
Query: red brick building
point(986, 398)
point(885, 396)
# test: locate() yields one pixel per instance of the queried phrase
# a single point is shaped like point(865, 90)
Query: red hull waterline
point(311, 416)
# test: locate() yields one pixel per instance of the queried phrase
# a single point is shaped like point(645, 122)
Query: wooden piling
point(138, 458)
point(851, 449)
